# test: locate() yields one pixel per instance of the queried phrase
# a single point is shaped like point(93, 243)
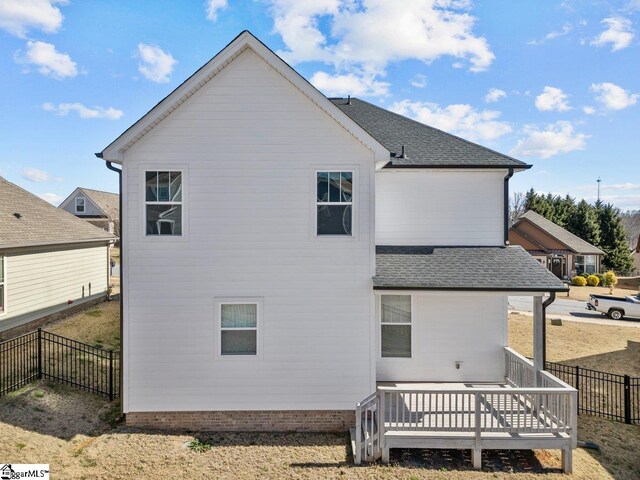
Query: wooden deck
point(530, 410)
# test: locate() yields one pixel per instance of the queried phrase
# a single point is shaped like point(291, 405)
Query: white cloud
point(63, 109)
point(156, 64)
point(555, 138)
point(461, 120)
point(419, 80)
point(213, 7)
point(37, 175)
point(19, 16)
point(494, 94)
point(348, 84)
point(552, 98)
point(364, 37)
point(49, 61)
point(566, 28)
point(621, 186)
point(588, 110)
point(618, 33)
point(52, 198)
point(614, 97)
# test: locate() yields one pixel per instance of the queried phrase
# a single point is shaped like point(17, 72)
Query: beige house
point(635, 253)
point(50, 261)
point(96, 207)
point(562, 252)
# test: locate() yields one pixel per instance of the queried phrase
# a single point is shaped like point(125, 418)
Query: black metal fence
point(603, 394)
point(42, 354)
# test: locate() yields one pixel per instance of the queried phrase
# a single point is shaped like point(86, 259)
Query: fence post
point(110, 375)
point(39, 354)
point(627, 399)
point(578, 389)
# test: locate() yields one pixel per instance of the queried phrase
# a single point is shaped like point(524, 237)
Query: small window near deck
point(80, 204)
point(395, 333)
point(239, 328)
point(334, 203)
point(163, 203)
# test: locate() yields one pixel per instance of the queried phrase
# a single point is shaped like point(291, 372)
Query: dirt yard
point(99, 326)
point(74, 432)
point(582, 293)
point(600, 347)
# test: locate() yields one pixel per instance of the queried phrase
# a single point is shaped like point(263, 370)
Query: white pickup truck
point(615, 307)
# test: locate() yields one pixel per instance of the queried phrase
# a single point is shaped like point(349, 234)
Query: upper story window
point(80, 201)
point(163, 203)
point(395, 326)
point(2, 294)
point(334, 203)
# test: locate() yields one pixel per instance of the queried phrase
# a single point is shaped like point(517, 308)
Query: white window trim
point(353, 169)
point(154, 167)
point(411, 325)
point(84, 204)
point(259, 302)
point(3, 283)
point(584, 263)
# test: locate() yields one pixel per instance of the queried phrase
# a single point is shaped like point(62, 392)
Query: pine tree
point(614, 239)
point(583, 222)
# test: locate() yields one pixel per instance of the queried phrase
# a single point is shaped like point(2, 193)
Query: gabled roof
point(108, 202)
point(508, 268)
point(39, 222)
point(572, 242)
point(424, 146)
point(114, 152)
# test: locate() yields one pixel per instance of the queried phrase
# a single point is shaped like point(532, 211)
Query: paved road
point(567, 309)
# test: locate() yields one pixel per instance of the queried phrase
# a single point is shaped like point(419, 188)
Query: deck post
point(538, 338)
point(567, 460)
point(476, 458)
point(476, 453)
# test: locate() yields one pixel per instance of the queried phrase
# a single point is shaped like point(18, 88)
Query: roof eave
point(7, 246)
point(473, 289)
point(516, 168)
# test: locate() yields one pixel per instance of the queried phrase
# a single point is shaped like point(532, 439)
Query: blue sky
point(553, 83)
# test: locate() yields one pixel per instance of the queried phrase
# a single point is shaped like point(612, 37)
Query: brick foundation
point(246, 421)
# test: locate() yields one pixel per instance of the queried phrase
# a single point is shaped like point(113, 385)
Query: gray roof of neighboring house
point(424, 146)
point(40, 223)
point(508, 268)
point(108, 202)
point(573, 242)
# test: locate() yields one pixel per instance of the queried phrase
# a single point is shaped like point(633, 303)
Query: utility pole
point(599, 180)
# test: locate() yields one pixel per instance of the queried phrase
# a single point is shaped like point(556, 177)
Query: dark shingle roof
point(424, 146)
point(572, 241)
point(461, 268)
point(40, 223)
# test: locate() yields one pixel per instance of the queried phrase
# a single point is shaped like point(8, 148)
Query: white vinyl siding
point(251, 143)
point(47, 278)
point(452, 327)
point(429, 207)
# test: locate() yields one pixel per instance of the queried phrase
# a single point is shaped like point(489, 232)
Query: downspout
point(506, 205)
point(545, 304)
point(121, 357)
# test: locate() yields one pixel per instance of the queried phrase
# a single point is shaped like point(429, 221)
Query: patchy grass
point(77, 440)
point(115, 254)
point(582, 293)
point(99, 326)
point(600, 347)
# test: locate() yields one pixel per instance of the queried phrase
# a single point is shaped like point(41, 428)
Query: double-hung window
point(586, 264)
point(80, 201)
point(334, 203)
point(2, 285)
point(163, 203)
point(395, 328)
point(239, 328)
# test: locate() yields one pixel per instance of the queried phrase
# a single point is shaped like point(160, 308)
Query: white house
point(292, 262)
point(51, 262)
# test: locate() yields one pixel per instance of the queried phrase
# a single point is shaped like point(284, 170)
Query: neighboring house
point(98, 208)
point(50, 261)
point(635, 253)
point(291, 261)
point(562, 252)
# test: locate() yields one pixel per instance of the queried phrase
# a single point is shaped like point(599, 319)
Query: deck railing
point(525, 405)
